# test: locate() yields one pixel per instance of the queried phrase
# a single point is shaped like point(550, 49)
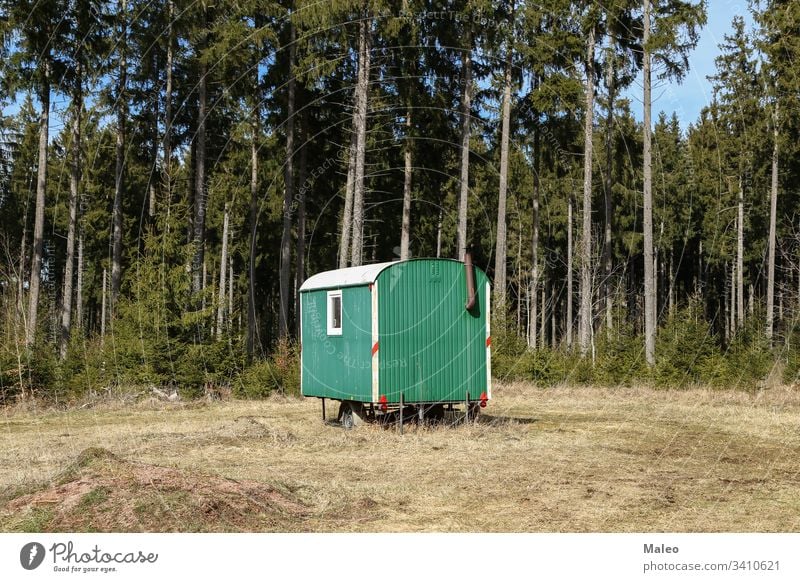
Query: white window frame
point(334, 330)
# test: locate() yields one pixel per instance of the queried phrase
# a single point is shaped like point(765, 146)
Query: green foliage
point(278, 373)
point(688, 353)
point(684, 347)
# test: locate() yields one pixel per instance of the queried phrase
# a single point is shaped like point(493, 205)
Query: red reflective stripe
point(375, 348)
point(488, 341)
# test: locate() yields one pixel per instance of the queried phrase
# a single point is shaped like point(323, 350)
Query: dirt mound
point(103, 492)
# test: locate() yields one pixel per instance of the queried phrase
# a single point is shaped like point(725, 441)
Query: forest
point(171, 172)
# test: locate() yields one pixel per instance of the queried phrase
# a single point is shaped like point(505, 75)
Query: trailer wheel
point(351, 414)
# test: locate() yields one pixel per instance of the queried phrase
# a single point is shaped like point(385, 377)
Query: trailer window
point(334, 313)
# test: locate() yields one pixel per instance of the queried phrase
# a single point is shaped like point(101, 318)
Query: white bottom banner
point(355, 557)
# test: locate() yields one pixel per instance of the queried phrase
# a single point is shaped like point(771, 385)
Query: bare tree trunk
point(552, 316)
point(223, 272)
point(607, 199)
point(733, 299)
point(466, 112)
point(122, 115)
point(230, 290)
point(301, 220)
point(154, 149)
point(362, 96)
point(74, 180)
point(405, 232)
point(501, 246)
point(535, 243)
point(586, 236)
point(726, 322)
point(439, 235)
point(250, 342)
point(103, 306)
point(672, 290)
point(543, 324)
point(22, 271)
point(288, 196)
point(347, 214)
point(167, 141)
point(203, 286)
point(41, 188)
point(569, 272)
point(773, 210)
point(649, 275)
point(656, 279)
point(200, 194)
point(518, 270)
point(740, 258)
point(79, 283)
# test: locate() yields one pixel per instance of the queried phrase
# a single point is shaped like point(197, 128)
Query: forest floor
point(562, 459)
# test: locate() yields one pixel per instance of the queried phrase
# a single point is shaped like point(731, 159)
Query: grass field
point(563, 459)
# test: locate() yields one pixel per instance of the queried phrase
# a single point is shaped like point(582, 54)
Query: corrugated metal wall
point(337, 367)
point(431, 348)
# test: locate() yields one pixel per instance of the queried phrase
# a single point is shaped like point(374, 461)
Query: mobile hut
point(406, 335)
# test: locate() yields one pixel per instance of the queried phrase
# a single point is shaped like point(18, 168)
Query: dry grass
point(565, 459)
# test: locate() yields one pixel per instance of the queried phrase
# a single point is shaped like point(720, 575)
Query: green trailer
point(392, 339)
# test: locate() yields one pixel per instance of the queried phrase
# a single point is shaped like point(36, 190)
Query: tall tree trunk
point(535, 243)
point(543, 321)
point(649, 275)
point(520, 279)
point(740, 258)
point(439, 234)
point(466, 112)
point(553, 342)
point(501, 246)
point(607, 198)
point(362, 96)
point(74, 180)
point(250, 342)
point(773, 210)
point(122, 115)
point(405, 232)
point(151, 182)
point(167, 141)
point(103, 306)
point(203, 286)
point(79, 282)
point(21, 275)
point(223, 272)
point(200, 195)
point(41, 188)
point(570, 252)
point(300, 273)
point(288, 195)
point(671, 285)
point(586, 235)
point(733, 299)
point(347, 213)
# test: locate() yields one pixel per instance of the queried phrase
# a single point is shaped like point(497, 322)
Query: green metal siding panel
point(338, 367)
point(431, 348)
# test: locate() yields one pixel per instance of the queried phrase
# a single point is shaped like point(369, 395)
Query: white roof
point(348, 277)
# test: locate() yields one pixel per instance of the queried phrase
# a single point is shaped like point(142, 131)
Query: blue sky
point(689, 97)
